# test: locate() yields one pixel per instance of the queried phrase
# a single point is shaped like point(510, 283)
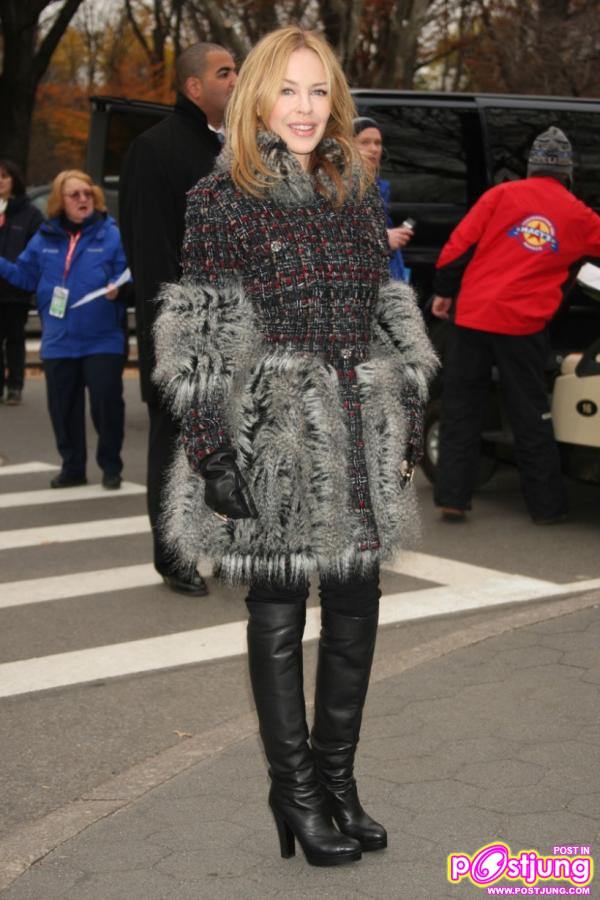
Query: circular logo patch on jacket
point(536, 233)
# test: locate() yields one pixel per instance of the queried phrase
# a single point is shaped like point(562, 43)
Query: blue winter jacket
point(95, 327)
point(398, 270)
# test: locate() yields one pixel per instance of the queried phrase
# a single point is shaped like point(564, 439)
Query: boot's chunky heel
point(297, 799)
point(307, 819)
point(287, 841)
point(346, 650)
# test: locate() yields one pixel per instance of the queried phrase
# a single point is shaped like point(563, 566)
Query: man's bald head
point(206, 74)
point(193, 62)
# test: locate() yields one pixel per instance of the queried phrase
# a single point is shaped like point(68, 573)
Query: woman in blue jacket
point(78, 252)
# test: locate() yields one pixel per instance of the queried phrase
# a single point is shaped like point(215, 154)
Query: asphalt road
point(101, 667)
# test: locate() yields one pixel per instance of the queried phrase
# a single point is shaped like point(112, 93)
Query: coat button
point(276, 246)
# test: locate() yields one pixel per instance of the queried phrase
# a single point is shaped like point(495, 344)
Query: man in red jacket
point(509, 263)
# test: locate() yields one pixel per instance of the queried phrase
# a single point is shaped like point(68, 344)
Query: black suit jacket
point(160, 167)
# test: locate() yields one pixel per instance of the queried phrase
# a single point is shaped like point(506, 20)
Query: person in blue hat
point(369, 141)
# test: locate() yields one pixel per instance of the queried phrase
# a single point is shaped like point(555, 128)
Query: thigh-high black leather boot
point(298, 801)
point(346, 650)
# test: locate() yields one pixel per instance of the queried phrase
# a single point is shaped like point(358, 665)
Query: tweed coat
point(286, 339)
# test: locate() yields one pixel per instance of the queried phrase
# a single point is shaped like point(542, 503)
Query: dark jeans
point(467, 369)
point(162, 442)
point(355, 596)
point(66, 380)
point(13, 318)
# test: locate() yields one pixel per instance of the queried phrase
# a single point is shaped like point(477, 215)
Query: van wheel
point(431, 449)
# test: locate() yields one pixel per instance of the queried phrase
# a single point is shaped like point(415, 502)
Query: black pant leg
point(162, 442)
point(269, 592)
point(467, 373)
point(357, 595)
point(15, 318)
point(103, 374)
point(521, 360)
point(65, 390)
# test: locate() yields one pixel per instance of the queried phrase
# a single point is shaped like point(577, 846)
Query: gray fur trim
point(385, 433)
point(290, 431)
point(200, 333)
point(291, 186)
point(400, 336)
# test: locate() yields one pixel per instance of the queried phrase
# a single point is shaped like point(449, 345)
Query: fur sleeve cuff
point(400, 333)
point(202, 335)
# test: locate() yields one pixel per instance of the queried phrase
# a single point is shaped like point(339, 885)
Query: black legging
point(358, 595)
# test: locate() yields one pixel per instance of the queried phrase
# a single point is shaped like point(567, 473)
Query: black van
point(441, 152)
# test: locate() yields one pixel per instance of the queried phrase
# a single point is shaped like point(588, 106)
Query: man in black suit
point(161, 165)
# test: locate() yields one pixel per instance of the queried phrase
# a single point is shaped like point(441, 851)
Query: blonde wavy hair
point(55, 199)
point(249, 109)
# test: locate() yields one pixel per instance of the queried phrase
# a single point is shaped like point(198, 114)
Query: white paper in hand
point(87, 298)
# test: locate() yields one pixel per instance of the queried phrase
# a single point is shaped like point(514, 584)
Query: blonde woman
point(299, 373)
point(76, 252)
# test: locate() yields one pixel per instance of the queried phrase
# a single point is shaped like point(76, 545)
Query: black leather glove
point(414, 411)
point(225, 490)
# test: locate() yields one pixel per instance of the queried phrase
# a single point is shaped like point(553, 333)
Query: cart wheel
point(431, 449)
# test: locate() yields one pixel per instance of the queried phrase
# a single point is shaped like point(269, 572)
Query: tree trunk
point(23, 68)
point(341, 22)
point(399, 54)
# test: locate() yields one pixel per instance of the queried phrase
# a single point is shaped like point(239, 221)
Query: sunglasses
point(75, 195)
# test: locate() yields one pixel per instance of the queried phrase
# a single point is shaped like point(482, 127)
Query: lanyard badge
point(60, 294)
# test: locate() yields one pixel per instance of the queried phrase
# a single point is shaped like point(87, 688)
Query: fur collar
point(291, 185)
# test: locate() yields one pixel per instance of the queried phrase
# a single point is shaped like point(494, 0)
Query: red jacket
point(514, 254)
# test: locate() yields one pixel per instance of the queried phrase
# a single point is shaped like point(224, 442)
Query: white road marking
point(63, 495)
point(222, 641)
point(26, 468)
point(447, 571)
point(77, 531)
point(81, 584)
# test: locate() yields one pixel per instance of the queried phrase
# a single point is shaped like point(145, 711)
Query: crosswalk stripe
point(81, 584)
point(221, 641)
point(77, 531)
point(26, 468)
point(63, 495)
point(450, 571)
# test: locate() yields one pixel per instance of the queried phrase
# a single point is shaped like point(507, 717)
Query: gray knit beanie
point(551, 154)
point(359, 124)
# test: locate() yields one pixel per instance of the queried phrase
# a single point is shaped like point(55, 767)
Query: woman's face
point(78, 200)
point(303, 107)
point(6, 185)
point(370, 145)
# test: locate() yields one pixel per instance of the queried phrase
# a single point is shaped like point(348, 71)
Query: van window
point(511, 132)
point(424, 156)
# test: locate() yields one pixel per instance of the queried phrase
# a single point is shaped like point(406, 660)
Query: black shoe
point(193, 585)
point(13, 397)
point(65, 481)
point(453, 514)
point(551, 520)
point(111, 482)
